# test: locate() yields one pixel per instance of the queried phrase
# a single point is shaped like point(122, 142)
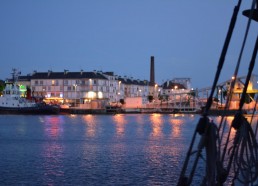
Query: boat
point(113, 109)
point(11, 102)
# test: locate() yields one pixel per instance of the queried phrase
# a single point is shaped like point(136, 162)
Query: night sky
point(186, 37)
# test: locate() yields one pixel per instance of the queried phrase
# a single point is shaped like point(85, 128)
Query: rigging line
point(223, 55)
point(256, 128)
point(182, 177)
point(232, 85)
point(242, 49)
point(239, 120)
point(251, 67)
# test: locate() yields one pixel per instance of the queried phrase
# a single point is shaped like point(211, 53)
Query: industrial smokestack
point(152, 70)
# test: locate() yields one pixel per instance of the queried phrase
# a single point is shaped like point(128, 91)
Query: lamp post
point(75, 86)
point(119, 90)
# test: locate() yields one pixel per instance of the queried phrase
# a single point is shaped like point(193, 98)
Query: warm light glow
point(91, 94)
point(53, 126)
point(233, 77)
point(157, 122)
point(176, 123)
point(120, 122)
point(100, 95)
point(90, 122)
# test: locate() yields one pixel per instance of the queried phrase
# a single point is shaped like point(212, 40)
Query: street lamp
point(75, 86)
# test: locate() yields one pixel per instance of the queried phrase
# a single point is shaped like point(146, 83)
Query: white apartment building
point(82, 87)
point(69, 86)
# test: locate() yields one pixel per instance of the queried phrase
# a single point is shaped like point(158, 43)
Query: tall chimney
point(152, 74)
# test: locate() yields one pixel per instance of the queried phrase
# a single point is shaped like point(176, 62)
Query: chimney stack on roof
point(152, 72)
point(65, 71)
point(49, 72)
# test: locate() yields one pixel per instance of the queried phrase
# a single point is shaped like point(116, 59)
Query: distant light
point(91, 94)
point(100, 95)
point(233, 77)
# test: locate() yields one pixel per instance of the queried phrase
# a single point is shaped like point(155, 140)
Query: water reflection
point(53, 125)
point(120, 122)
point(90, 121)
point(157, 124)
point(176, 123)
point(52, 157)
point(52, 150)
point(140, 125)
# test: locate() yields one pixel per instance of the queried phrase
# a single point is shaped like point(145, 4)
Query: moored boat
point(11, 102)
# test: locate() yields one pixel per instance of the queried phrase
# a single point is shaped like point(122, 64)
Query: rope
point(223, 55)
point(245, 163)
point(251, 66)
point(236, 124)
point(202, 126)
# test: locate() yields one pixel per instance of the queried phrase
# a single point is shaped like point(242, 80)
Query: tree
point(2, 86)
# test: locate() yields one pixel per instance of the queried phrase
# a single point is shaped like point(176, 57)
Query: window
point(41, 82)
point(36, 82)
point(65, 82)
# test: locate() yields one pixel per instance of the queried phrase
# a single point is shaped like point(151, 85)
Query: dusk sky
point(186, 37)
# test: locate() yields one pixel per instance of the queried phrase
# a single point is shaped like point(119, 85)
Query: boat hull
point(46, 109)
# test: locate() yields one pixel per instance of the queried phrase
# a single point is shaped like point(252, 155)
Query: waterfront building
point(69, 87)
point(135, 90)
point(177, 89)
point(81, 88)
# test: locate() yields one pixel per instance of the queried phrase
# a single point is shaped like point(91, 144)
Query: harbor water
point(133, 149)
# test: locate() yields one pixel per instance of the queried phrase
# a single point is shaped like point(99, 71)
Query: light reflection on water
point(94, 149)
point(120, 122)
point(52, 125)
point(90, 121)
